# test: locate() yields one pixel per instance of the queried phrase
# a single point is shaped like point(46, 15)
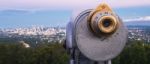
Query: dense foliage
point(136, 52)
point(43, 54)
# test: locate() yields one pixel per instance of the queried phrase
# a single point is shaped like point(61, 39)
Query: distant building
point(24, 44)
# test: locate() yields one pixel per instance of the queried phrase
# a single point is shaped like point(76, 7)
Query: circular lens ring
point(112, 26)
point(96, 23)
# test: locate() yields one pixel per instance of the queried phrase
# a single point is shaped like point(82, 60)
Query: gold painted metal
point(111, 27)
point(111, 19)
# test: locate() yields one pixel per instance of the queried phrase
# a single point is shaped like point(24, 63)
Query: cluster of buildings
point(141, 33)
point(35, 30)
point(57, 34)
point(48, 34)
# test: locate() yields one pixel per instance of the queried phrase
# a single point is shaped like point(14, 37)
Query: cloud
point(15, 11)
point(146, 18)
point(67, 4)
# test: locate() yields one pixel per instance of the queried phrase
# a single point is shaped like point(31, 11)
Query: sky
point(52, 13)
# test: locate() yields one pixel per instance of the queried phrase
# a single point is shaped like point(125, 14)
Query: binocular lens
point(107, 22)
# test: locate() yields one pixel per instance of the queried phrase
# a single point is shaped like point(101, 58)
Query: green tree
point(134, 53)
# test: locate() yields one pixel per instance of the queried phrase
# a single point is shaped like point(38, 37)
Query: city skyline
point(53, 13)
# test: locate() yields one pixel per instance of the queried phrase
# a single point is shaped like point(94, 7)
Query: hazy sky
point(21, 13)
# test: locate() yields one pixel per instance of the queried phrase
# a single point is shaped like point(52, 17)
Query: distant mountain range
point(141, 21)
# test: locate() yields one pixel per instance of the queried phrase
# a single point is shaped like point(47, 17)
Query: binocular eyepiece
point(102, 21)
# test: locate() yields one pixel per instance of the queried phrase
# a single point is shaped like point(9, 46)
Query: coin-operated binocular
point(95, 36)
